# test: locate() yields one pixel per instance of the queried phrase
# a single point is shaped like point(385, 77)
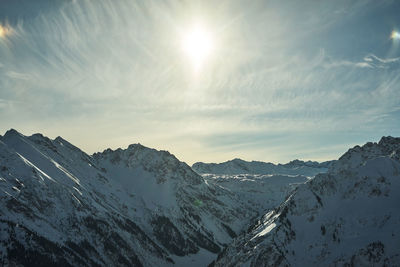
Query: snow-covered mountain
point(238, 166)
point(132, 207)
point(349, 216)
point(142, 207)
point(261, 192)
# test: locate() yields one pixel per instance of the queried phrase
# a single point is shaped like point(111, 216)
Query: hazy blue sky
point(283, 80)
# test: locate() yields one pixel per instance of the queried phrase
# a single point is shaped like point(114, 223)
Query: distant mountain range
point(141, 207)
point(238, 166)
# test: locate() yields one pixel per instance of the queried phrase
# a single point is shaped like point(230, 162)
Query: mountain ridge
point(156, 208)
point(347, 216)
point(239, 166)
point(142, 207)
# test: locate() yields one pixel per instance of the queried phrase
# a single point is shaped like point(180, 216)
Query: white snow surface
point(261, 192)
point(52, 189)
point(134, 206)
point(142, 207)
point(347, 217)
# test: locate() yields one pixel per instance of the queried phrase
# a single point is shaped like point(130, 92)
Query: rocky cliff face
point(346, 217)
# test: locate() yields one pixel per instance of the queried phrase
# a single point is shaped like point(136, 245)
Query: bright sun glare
point(395, 35)
point(197, 44)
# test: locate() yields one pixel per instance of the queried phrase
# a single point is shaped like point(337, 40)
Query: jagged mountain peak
point(40, 139)
point(12, 132)
point(36, 138)
point(298, 163)
point(164, 164)
point(393, 143)
point(138, 146)
point(358, 155)
point(138, 150)
point(236, 160)
point(12, 135)
point(295, 161)
point(36, 142)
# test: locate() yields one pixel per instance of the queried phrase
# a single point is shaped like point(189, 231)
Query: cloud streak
point(112, 72)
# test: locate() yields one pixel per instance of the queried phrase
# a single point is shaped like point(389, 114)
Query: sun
point(197, 44)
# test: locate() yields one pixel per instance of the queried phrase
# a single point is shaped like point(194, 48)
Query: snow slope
point(349, 216)
point(238, 166)
point(261, 192)
point(128, 207)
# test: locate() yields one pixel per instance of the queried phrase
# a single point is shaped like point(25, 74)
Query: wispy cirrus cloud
point(280, 78)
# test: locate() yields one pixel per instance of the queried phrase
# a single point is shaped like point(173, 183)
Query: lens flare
point(4, 30)
point(395, 35)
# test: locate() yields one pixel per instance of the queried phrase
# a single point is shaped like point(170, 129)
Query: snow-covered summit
point(163, 163)
point(356, 156)
point(346, 217)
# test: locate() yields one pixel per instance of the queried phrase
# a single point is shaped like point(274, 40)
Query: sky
point(206, 80)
